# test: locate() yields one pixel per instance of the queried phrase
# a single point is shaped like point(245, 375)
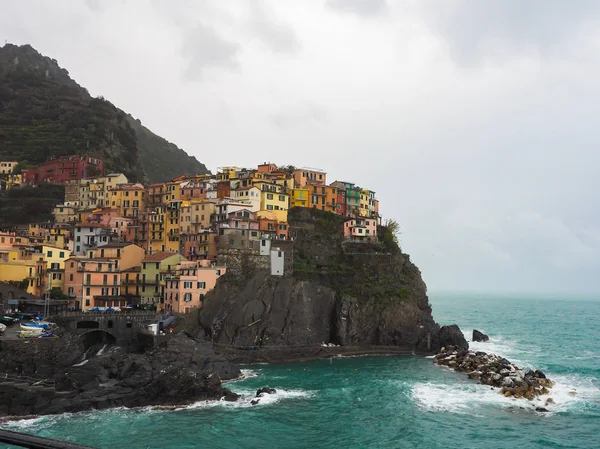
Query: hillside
point(44, 113)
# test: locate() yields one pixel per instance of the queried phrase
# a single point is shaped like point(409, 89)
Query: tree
point(393, 227)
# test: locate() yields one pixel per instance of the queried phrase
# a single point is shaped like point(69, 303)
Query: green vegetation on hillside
point(45, 114)
point(27, 204)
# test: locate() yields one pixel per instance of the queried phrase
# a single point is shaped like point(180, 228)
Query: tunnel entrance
point(98, 337)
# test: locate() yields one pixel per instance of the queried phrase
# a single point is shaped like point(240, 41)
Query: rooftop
point(157, 257)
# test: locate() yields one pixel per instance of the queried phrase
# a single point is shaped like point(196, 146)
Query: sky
point(475, 122)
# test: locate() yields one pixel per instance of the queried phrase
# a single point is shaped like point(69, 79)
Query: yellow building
point(153, 268)
point(109, 182)
point(55, 262)
point(7, 168)
point(195, 215)
point(367, 203)
point(300, 197)
point(227, 173)
point(64, 213)
point(172, 226)
point(14, 181)
point(126, 255)
point(277, 203)
point(172, 191)
point(128, 199)
point(156, 229)
point(29, 271)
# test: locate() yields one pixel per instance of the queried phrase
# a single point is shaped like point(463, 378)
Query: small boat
point(35, 325)
point(8, 320)
point(32, 329)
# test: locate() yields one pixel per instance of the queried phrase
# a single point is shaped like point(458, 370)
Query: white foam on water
point(246, 374)
point(246, 399)
point(461, 398)
point(572, 392)
point(509, 349)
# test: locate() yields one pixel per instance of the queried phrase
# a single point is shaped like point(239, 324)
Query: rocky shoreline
point(497, 372)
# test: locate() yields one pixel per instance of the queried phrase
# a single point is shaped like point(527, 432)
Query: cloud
point(203, 48)
point(477, 31)
point(364, 8)
point(306, 114)
point(277, 36)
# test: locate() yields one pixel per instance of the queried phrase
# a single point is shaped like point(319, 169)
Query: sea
point(389, 401)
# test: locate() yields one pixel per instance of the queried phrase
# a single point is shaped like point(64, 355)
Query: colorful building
point(93, 282)
point(200, 245)
point(90, 236)
point(153, 268)
point(128, 199)
point(64, 169)
point(361, 229)
point(126, 255)
point(55, 265)
point(188, 284)
point(275, 203)
point(309, 176)
point(300, 197)
point(6, 168)
point(30, 271)
point(64, 213)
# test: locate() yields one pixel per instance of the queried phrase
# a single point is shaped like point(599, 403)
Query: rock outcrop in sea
point(479, 336)
point(495, 371)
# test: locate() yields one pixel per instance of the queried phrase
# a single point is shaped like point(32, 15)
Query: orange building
point(271, 226)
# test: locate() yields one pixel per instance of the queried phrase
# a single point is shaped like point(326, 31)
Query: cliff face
point(44, 114)
point(60, 375)
point(346, 294)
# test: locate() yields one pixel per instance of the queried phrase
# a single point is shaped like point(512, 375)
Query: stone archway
point(96, 337)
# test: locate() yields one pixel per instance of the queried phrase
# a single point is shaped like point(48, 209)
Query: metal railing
point(34, 442)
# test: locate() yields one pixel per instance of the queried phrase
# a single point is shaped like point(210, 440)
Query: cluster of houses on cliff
point(114, 243)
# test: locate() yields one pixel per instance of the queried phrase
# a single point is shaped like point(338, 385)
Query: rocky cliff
point(334, 292)
point(44, 113)
point(61, 375)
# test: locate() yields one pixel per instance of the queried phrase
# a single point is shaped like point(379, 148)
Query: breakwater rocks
point(495, 371)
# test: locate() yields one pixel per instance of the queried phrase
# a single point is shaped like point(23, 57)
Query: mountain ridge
point(44, 113)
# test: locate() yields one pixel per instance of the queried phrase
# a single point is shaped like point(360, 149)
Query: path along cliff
point(335, 297)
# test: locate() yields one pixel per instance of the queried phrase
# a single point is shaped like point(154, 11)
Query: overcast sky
point(476, 122)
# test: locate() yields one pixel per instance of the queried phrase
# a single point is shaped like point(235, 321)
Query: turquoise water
point(389, 402)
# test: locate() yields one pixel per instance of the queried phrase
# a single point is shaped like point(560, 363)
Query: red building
point(63, 169)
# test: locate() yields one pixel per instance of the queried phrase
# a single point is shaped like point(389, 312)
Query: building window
point(87, 291)
point(87, 302)
point(187, 284)
point(187, 297)
point(49, 253)
point(202, 285)
point(269, 196)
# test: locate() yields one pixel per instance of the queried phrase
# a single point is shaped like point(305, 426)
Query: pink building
point(361, 229)
point(191, 281)
point(110, 218)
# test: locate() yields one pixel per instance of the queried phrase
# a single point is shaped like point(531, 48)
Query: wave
point(570, 393)
point(247, 396)
point(504, 347)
